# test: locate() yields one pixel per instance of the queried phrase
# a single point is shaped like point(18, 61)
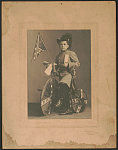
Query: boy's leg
point(64, 96)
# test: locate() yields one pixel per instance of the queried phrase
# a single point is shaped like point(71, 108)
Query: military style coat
point(66, 61)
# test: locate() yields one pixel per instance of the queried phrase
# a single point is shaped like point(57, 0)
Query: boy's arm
point(74, 61)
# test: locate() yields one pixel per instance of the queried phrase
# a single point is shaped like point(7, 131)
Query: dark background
point(81, 45)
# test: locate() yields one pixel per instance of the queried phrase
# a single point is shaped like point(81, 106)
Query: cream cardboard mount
point(18, 130)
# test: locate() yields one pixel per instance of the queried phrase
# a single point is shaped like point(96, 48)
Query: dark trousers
point(61, 92)
point(64, 95)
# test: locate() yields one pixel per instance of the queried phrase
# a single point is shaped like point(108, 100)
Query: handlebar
point(50, 68)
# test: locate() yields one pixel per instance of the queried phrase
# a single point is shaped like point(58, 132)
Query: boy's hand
point(77, 64)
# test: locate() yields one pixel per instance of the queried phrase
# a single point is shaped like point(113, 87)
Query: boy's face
point(63, 45)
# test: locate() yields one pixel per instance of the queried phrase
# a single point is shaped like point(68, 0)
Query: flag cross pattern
point(39, 47)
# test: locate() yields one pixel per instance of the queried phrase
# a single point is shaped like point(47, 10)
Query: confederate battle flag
point(39, 47)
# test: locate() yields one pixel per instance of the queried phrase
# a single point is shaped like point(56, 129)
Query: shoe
point(67, 112)
point(59, 103)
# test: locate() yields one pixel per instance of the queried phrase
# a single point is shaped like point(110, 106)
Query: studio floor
point(34, 112)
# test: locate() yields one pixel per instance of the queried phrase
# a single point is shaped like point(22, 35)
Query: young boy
point(66, 61)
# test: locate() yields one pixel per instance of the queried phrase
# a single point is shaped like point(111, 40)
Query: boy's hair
point(66, 37)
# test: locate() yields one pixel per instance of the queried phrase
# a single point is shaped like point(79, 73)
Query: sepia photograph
point(59, 73)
